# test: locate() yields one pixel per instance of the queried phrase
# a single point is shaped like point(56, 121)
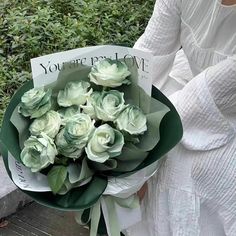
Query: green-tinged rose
point(49, 124)
point(132, 120)
point(109, 73)
point(35, 102)
point(105, 143)
point(73, 138)
point(89, 107)
point(66, 149)
point(39, 152)
point(68, 113)
point(109, 104)
point(75, 93)
point(77, 132)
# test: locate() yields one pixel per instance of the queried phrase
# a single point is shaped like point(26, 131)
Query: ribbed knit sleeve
point(162, 38)
point(207, 107)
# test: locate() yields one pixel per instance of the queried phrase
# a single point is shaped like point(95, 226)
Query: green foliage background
point(32, 28)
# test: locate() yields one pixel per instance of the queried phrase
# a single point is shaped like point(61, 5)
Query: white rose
point(35, 102)
point(132, 120)
point(105, 143)
point(38, 152)
point(109, 104)
point(75, 93)
point(49, 123)
point(109, 73)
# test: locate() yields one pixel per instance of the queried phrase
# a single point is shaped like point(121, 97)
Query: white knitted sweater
point(194, 191)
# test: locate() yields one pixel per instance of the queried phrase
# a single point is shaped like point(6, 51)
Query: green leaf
point(56, 177)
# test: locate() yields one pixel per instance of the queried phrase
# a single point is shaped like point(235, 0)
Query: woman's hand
point(141, 193)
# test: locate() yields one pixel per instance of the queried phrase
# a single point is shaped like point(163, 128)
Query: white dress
point(194, 191)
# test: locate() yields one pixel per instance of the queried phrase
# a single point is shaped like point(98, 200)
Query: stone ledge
point(11, 198)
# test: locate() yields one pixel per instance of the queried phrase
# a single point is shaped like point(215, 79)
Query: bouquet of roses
point(91, 127)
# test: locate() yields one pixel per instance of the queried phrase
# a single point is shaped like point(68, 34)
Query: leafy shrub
point(32, 28)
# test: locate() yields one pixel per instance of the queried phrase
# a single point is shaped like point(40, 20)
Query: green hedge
point(31, 28)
